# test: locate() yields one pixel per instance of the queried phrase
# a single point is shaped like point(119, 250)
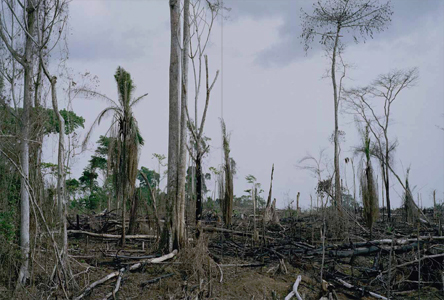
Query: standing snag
point(369, 190)
point(330, 22)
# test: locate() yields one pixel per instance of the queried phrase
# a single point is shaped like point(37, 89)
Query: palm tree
point(125, 138)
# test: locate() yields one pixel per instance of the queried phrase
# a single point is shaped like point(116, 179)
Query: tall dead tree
point(171, 230)
point(330, 22)
point(27, 60)
point(199, 140)
point(373, 105)
point(201, 28)
point(181, 177)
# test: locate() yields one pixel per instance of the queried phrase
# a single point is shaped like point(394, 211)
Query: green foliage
point(250, 179)
point(47, 117)
point(98, 162)
point(72, 121)
point(152, 176)
point(7, 224)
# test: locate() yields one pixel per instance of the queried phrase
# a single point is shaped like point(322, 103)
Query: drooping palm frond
point(103, 114)
point(94, 94)
point(137, 100)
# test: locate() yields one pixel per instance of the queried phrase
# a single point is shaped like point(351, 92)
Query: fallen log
point(350, 286)
point(415, 261)
point(89, 288)
point(112, 236)
point(240, 233)
point(116, 289)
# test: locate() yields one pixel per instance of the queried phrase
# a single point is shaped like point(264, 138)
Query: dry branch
point(113, 236)
point(350, 286)
point(88, 289)
point(294, 292)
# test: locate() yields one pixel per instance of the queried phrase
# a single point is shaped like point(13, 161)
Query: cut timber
point(294, 292)
point(89, 288)
point(112, 236)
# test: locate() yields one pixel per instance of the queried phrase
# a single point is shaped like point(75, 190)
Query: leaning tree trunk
point(24, 151)
point(267, 212)
point(171, 232)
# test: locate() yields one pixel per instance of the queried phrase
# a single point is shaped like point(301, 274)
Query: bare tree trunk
point(183, 128)
point(387, 180)
point(338, 198)
point(255, 233)
point(198, 192)
point(228, 172)
point(60, 170)
point(24, 155)
point(171, 224)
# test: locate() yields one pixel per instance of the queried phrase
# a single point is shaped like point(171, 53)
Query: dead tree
point(368, 187)
point(330, 21)
point(227, 203)
point(201, 29)
point(364, 102)
point(267, 212)
point(172, 234)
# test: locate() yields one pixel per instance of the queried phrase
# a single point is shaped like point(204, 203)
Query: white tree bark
point(183, 126)
point(28, 63)
point(174, 126)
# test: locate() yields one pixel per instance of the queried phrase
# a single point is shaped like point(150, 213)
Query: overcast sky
point(277, 103)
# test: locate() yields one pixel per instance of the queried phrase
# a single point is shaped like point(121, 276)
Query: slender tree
point(368, 102)
point(181, 177)
point(330, 22)
point(27, 60)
